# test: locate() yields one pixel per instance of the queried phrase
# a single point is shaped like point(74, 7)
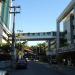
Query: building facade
point(67, 17)
point(69, 28)
point(4, 20)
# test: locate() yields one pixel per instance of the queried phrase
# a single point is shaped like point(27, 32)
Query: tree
point(40, 51)
point(5, 47)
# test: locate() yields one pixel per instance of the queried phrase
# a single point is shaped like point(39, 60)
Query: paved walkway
point(65, 70)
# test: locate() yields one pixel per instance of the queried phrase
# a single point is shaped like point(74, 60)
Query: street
point(36, 68)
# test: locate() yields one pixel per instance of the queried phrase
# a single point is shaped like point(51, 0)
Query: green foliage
point(5, 47)
point(63, 42)
point(40, 51)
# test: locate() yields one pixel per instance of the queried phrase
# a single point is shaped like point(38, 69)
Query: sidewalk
point(65, 70)
point(62, 69)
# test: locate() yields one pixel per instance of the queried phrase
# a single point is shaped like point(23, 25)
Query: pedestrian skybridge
point(36, 36)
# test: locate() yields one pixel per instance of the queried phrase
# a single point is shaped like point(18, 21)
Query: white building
point(68, 19)
point(4, 20)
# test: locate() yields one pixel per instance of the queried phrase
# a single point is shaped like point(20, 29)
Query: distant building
point(4, 20)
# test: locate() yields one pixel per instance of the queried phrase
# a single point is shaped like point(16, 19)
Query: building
point(69, 29)
point(4, 20)
point(67, 17)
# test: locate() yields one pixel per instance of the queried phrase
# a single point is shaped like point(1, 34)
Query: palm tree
point(42, 48)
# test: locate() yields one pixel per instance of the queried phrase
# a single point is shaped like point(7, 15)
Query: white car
point(36, 60)
point(3, 72)
point(27, 59)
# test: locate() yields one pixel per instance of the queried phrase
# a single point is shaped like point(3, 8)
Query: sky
point(39, 15)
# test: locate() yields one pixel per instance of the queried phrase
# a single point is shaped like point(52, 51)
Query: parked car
point(2, 72)
point(27, 59)
point(21, 64)
point(36, 60)
point(53, 61)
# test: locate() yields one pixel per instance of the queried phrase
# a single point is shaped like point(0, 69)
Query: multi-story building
point(68, 18)
point(4, 20)
point(69, 29)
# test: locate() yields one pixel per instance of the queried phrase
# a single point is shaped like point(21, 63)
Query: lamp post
point(14, 12)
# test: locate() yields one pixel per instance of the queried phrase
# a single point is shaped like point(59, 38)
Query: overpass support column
point(58, 35)
point(48, 45)
point(74, 16)
point(74, 24)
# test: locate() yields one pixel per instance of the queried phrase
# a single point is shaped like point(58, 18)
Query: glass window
point(33, 33)
point(28, 33)
point(54, 33)
point(38, 34)
point(43, 33)
point(23, 34)
point(49, 33)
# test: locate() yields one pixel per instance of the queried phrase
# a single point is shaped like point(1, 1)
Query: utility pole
point(14, 12)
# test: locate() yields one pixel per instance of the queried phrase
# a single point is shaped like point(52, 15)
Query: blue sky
point(39, 15)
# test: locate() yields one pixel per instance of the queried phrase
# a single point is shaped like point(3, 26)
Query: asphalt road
point(36, 69)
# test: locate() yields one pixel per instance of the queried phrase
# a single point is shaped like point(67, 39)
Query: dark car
point(54, 61)
point(21, 64)
point(5, 60)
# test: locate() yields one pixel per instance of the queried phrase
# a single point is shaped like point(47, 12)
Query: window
point(65, 32)
point(49, 33)
point(38, 34)
point(33, 33)
point(5, 57)
point(54, 33)
point(2, 0)
point(23, 34)
point(72, 16)
point(28, 33)
point(43, 33)
point(73, 36)
point(72, 26)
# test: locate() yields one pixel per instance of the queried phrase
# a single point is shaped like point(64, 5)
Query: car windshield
point(5, 57)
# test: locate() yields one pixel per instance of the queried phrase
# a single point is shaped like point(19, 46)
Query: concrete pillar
point(74, 22)
point(72, 28)
point(48, 45)
point(57, 38)
point(74, 13)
